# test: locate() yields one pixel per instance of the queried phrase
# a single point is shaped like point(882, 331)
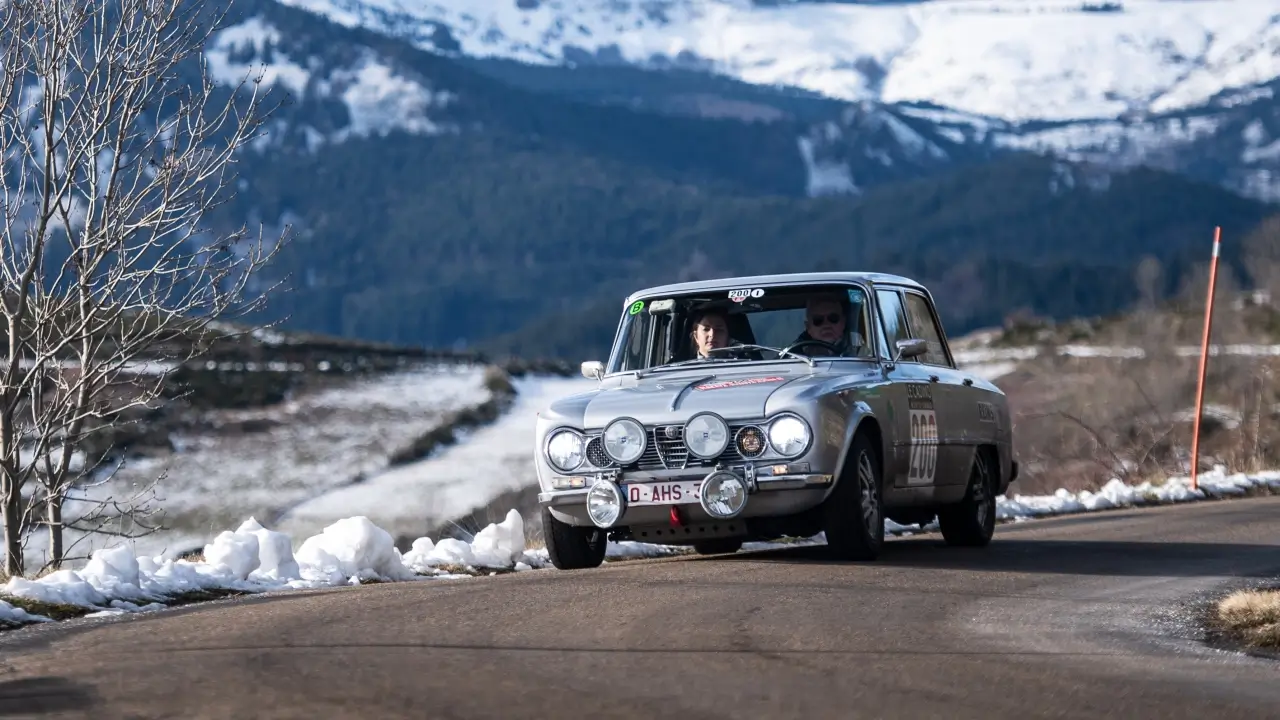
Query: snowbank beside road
point(1116, 494)
point(354, 550)
point(261, 461)
point(408, 499)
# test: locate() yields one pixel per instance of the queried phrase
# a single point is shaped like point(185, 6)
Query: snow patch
point(380, 100)
point(1117, 494)
point(10, 615)
point(254, 38)
point(825, 177)
point(351, 548)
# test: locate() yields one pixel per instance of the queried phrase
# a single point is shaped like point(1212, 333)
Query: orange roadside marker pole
point(1204, 358)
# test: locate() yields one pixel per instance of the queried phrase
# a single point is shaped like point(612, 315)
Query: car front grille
point(665, 450)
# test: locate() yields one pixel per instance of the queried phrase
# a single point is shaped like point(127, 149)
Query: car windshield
point(743, 325)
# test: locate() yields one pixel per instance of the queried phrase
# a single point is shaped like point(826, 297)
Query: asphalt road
point(1057, 618)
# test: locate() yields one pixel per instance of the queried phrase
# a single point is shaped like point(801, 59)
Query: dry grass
point(1080, 421)
point(64, 611)
point(1251, 617)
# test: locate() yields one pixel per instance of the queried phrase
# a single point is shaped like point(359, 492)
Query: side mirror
point(911, 348)
point(593, 369)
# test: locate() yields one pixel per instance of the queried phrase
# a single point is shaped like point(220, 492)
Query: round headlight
point(723, 495)
point(789, 435)
point(623, 441)
point(566, 450)
point(706, 435)
point(604, 503)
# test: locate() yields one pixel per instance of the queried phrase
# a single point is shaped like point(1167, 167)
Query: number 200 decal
point(924, 447)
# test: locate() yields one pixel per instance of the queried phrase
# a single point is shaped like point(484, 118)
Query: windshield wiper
point(780, 351)
point(682, 363)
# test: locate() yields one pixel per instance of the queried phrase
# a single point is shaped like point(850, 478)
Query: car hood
point(674, 397)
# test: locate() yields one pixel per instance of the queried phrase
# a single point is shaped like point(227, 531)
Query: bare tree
point(1149, 277)
point(1262, 256)
point(118, 146)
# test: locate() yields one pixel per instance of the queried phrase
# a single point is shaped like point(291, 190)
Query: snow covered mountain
point(443, 198)
point(347, 83)
point(1182, 84)
point(1009, 59)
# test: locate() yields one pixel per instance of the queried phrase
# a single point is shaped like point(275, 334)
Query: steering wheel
point(835, 351)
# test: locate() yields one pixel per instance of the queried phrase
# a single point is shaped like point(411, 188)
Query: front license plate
point(663, 493)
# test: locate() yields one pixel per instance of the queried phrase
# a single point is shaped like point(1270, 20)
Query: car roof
point(749, 281)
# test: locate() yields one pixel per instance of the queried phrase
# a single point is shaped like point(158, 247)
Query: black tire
point(972, 521)
point(719, 546)
point(853, 514)
point(571, 547)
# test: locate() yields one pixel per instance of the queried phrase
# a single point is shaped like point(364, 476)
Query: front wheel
point(571, 547)
point(853, 515)
point(972, 521)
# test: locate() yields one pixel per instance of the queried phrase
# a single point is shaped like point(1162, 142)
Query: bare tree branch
point(118, 146)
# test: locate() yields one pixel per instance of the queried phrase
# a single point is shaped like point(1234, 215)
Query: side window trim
point(617, 360)
point(880, 313)
point(937, 325)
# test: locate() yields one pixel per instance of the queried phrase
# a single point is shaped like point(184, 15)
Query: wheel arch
point(865, 423)
point(990, 453)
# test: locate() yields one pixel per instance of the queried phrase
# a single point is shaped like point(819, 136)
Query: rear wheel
point(853, 515)
point(571, 547)
point(972, 521)
point(719, 546)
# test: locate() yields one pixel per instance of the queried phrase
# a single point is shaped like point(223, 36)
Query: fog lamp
point(604, 503)
point(723, 495)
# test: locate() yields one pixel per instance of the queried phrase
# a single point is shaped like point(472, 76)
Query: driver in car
point(710, 331)
point(824, 320)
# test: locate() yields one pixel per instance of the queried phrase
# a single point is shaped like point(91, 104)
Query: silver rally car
point(834, 404)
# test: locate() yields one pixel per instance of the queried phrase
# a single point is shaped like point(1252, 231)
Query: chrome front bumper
point(762, 483)
point(772, 491)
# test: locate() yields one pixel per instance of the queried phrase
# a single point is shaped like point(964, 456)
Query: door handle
point(933, 378)
point(968, 381)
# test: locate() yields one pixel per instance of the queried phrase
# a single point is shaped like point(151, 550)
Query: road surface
point(1057, 618)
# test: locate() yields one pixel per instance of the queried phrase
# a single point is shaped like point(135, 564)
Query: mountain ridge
point(1011, 59)
point(440, 201)
point(1160, 81)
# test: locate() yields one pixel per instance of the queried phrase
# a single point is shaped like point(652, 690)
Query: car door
point(949, 396)
point(915, 407)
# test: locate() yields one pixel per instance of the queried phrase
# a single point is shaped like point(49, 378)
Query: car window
point(924, 326)
point(634, 351)
point(777, 328)
point(659, 330)
point(893, 319)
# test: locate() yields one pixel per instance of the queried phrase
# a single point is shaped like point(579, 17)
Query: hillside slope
point(475, 241)
point(437, 204)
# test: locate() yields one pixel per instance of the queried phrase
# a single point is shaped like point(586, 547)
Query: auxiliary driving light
point(706, 435)
point(604, 503)
point(623, 440)
point(723, 495)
